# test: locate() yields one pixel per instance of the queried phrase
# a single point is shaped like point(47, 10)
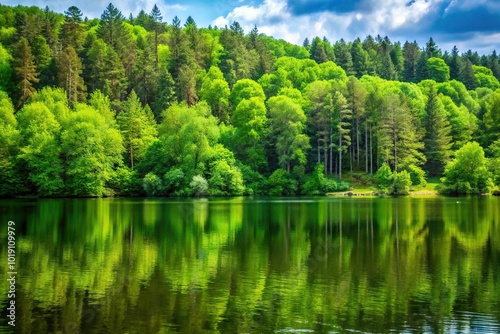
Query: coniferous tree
point(342, 122)
point(432, 50)
point(422, 72)
point(399, 144)
point(411, 54)
point(70, 75)
point(110, 27)
point(359, 58)
point(343, 57)
point(73, 31)
point(24, 70)
point(156, 18)
point(455, 63)
point(467, 75)
point(317, 51)
point(437, 139)
point(138, 128)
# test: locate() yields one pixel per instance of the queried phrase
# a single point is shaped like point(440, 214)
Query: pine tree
point(138, 128)
point(399, 144)
point(70, 75)
point(317, 51)
point(422, 72)
point(73, 31)
point(342, 121)
point(343, 57)
point(359, 58)
point(110, 27)
point(437, 139)
point(24, 70)
point(432, 50)
point(411, 54)
point(156, 18)
point(455, 64)
point(467, 75)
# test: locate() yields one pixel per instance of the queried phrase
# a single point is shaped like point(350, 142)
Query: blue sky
point(469, 24)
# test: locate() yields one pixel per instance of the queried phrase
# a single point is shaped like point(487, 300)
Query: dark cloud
point(304, 7)
point(478, 19)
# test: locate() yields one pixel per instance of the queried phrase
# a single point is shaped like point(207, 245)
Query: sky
point(468, 24)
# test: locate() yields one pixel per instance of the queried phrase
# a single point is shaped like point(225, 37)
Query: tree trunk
point(331, 152)
point(357, 142)
point(371, 150)
point(366, 148)
point(340, 156)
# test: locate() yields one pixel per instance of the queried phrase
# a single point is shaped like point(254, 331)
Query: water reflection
point(256, 265)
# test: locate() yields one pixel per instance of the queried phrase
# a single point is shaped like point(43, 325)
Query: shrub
point(467, 173)
point(417, 176)
point(384, 178)
point(280, 183)
point(152, 184)
point(402, 183)
point(199, 186)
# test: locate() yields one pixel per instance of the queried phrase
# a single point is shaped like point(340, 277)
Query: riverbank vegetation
point(135, 106)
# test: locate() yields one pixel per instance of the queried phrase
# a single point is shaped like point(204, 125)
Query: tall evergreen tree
point(467, 75)
point(455, 63)
point(317, 51)
point(156, 18)
point(359, 58)
point(70, 75)
point(24, 70)
point(437, 139)
point(342, 122)
point(138, 128)
point(343, 56)
point(411, 54)
point(398, 143)
point(73, 30)
point(110, 27)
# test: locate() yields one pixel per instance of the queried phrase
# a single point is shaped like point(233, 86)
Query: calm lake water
point(251, 265)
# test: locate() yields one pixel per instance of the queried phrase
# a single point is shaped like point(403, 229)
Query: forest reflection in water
point(256, 265)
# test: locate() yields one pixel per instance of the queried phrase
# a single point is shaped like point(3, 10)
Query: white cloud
point(273, 17)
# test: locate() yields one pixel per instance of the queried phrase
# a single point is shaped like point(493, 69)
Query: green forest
point(117, 106)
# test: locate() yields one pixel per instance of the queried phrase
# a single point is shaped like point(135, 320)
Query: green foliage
point(287, 122)
point(40, 149)
point(93, 148)
point(384, 178)
point(438, 70)
point(402, 183)
point(280, 183)
point(173, 180)
point(5, 69)
point(9, 143)
point(417, 176)
point(318, 184)
point(266, 100)
point(199, 186)
point(152, 184)
point(467, 173)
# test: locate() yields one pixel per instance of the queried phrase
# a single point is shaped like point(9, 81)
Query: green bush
point(402, 183)
point(280, 183)
point(468, 173)
point(174, 180)
point(318, 184)
point(199, 186)
point(384, 178)
point(152, 184)
point(417, 176)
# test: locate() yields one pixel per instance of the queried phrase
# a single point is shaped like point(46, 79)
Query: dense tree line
point(129, 106)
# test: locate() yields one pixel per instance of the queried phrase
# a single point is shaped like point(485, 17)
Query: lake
point(254, 265)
